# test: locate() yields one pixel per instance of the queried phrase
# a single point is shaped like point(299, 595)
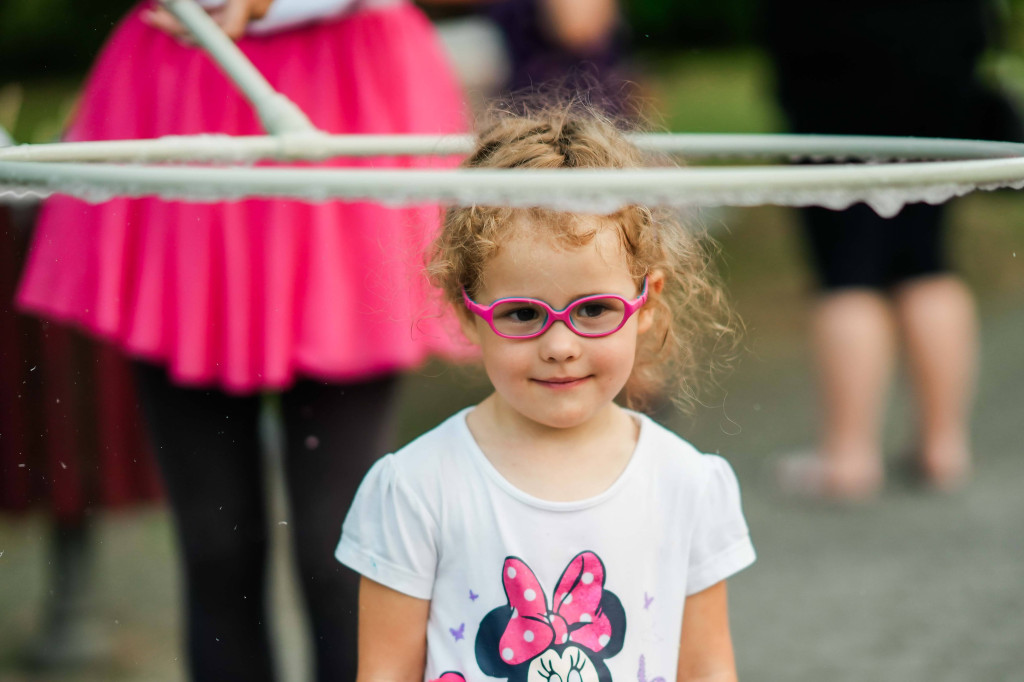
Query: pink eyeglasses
point(525, 318)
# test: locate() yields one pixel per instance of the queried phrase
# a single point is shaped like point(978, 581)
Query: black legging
point(208, 449)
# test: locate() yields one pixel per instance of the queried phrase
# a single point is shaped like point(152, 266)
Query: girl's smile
point(561, 382)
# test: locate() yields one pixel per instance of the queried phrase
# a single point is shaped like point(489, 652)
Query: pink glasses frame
point(564, 315)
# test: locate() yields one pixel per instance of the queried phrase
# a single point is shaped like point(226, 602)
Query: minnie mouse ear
point(612, 607)
point(488, 638)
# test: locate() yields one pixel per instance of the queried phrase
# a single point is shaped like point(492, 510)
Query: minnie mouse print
point(565, 640)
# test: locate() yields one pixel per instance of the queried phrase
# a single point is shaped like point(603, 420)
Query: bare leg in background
point(939, 325)
point(854, 341)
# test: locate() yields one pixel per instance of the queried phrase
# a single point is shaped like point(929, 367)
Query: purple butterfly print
point(473, 596)
point(641, 674)
point(647, 601)
point(459, 633)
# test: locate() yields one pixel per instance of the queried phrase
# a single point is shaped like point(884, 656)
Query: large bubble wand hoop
point(98, 171)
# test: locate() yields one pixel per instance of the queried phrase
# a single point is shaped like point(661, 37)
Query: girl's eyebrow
point(568, 302)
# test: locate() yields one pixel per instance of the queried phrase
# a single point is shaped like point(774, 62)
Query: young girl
point(548, 534)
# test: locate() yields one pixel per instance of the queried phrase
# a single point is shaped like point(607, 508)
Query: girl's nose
point(559, 343)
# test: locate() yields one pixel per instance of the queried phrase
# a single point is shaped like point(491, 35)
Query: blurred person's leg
point(334, 433)
point(68, 636)
point(936, 314)
point(938, 321)
point(853, 339)
point(209, 454)
point(883, 52)
point(877, 273)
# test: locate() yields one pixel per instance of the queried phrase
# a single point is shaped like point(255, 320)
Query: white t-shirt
point(522, 588)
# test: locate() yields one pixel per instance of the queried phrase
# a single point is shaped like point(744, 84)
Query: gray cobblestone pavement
point(915, 587)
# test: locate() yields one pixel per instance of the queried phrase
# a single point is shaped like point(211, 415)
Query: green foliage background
point(58, 37)
point(53, 37)
point(678, 23)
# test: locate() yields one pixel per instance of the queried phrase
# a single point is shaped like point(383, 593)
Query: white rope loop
point(318, 146)
point(95, 171)
point(63, 167)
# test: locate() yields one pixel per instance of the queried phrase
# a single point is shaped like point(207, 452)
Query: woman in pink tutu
point(219, 303)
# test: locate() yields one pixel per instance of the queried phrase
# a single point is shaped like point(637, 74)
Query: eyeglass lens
point(589, 316)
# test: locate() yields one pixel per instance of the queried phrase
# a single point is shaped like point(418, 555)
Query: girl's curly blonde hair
point(694, 332)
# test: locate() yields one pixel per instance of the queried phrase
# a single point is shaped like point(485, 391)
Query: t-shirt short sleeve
point(388, 535)
point(721, 541)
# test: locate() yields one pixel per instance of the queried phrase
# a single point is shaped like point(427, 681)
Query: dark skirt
point(71, 437)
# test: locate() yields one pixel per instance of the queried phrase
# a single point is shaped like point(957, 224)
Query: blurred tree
point(690, 23)
point(53, 37)
point(61, 37)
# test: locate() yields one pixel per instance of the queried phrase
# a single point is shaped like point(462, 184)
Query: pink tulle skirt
point(245, 295)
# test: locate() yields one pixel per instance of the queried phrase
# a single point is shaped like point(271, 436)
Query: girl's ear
point(655, 284)
point(468, 325)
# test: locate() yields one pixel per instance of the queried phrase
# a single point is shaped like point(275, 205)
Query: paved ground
point(916, 587)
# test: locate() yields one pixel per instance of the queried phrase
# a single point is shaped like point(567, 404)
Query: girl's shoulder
point(668, 447)
point(678, 460)
point(445, 437)
point(416, 478)
point(430, 456)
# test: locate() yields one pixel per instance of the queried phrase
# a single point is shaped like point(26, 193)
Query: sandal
point(808, 475)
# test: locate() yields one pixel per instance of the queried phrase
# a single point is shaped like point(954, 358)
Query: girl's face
point(559, 379)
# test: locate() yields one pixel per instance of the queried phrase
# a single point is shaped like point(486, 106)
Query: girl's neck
point(555, 464)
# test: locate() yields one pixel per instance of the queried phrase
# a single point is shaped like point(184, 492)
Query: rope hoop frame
point(98, 171)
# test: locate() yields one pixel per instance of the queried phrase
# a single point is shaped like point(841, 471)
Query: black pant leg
point(207, 446)
point(333, 434)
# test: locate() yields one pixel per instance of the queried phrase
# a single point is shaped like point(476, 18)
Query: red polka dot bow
point(575, 615)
